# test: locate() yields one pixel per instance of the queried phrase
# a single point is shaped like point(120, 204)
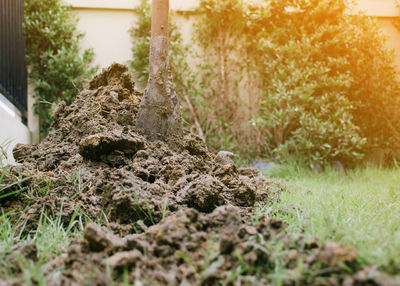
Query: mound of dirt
point(94, 160)
point(185, 214)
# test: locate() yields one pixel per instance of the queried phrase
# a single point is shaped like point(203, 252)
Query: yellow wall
point(106, 24)
point(386, 12)
point(377, 8)
point(107, 32)
point(393, 37)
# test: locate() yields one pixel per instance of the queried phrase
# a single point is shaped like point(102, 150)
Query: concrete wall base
point(12, 131)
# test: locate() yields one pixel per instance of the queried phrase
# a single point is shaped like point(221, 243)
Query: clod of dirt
point(101, 240)
point(115, 75)
point(225, 158)
point(27, 250)
point(203, 193)
point(370, 276)
point(94, 147)
point(334, 254)
point(21, 254)
point(123, 259)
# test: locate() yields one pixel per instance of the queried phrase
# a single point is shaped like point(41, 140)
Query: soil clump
point(172, 215)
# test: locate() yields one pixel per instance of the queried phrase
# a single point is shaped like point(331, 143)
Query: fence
point(13, 82)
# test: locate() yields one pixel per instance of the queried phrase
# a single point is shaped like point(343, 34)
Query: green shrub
point(56, 68)
point(219, 34)
point(305, 111)
point(375, 89)
point(328, 77)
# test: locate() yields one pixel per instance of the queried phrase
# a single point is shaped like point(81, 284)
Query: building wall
point(13, 131)
point(377, 8)
point(386, 12)
point(107, 32)
point(106, 24)
point(393, 37)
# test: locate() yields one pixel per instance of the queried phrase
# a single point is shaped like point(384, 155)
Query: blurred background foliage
point(292, 79)
point(57, 69)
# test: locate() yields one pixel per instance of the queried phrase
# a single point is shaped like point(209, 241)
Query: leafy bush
point(56, 68)
point(335, 69)
point(222, 107)
point(306, 111)
point(325, 83)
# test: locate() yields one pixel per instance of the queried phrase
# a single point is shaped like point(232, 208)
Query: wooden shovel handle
point(159, 21)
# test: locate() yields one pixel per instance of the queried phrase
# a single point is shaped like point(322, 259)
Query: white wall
point(12, 130)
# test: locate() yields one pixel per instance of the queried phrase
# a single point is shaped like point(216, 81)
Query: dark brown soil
point(185, 215)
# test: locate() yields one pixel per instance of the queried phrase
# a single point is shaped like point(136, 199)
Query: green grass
point(360, 207)
point(51, 237)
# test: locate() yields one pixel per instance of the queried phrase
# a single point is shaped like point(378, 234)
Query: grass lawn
point(359, 207)
point(51, 237)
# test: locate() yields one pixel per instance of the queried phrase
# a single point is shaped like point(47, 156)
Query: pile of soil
point(173, 214)
point(94, 160)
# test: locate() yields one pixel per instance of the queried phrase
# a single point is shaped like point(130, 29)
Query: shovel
point(159, 115)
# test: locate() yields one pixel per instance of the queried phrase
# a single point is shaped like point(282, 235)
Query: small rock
point(202, 193)
point(140, 225)
point(121, 259)
point(251, 230)
point(225, 158)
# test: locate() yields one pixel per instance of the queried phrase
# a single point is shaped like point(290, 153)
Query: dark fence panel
point(13, 82)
